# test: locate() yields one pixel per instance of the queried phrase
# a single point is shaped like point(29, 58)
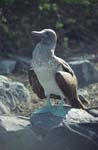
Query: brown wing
point(67, 68)
point(35, 84)
point(65, 65)
point(68, 85)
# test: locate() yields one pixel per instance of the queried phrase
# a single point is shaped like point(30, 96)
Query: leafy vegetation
point(72, 19)
point(47, 2)
point(65, 42)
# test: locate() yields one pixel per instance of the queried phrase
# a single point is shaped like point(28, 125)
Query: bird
point(51, 76)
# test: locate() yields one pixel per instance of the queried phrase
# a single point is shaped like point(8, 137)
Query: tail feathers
point(83, 100)
point(77, 103)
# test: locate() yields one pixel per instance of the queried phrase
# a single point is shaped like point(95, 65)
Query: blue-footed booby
point(51, 76)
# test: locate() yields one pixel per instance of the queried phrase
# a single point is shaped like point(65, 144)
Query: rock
point(12, 123)
point(85, 71)
point(12, 95)
point(76, 131)
point(93, 111)
point(7, 66)
point(22, 64)
point(14, 64)
point(66, 138)
point(4, 109)
point(16, 134)
point(47, 121)
point(47, 132)
point(79, 116)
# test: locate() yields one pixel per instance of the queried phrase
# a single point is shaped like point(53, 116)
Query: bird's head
point(47, 36)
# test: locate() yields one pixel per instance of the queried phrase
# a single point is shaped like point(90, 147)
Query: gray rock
point(22, 64)
point(47, 121)
point(4, 109)
point(12, 95)
point(79, 116)
point(47, 132)
point(85, 71)
point(77, 132)
point(66, 138)
point(16, 134)
point(7, 66)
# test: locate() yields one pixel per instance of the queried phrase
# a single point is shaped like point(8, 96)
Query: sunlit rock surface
point(12, 95)
point(16, 134)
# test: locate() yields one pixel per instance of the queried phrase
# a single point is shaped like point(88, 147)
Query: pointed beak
point(37, 33)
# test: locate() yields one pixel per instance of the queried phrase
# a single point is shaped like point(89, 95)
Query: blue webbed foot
point(58, 110)
point(54, 110)
point(44, 109)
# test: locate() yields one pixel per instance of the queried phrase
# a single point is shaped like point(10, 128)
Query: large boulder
point(78, 130)
point(85, 71)
point(16, 134)
point(46, 132)
point(12, 95)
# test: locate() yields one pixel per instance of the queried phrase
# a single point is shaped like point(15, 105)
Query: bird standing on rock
point(52, 76)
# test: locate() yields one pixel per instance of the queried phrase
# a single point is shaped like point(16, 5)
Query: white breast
point(46, 77)
point(45, 67)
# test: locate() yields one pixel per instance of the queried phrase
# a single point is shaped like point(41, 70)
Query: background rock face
point(85, 71)
point(14, 65)
point(7, 66)
point(12, 95)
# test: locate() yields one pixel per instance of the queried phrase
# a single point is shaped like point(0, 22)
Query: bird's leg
point(59, 111)
point(48, 105)
point(55, 110)
point(46, 108)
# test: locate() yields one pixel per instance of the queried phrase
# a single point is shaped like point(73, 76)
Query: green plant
point(65, 42)
point(48, 6)
point(59, 25)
